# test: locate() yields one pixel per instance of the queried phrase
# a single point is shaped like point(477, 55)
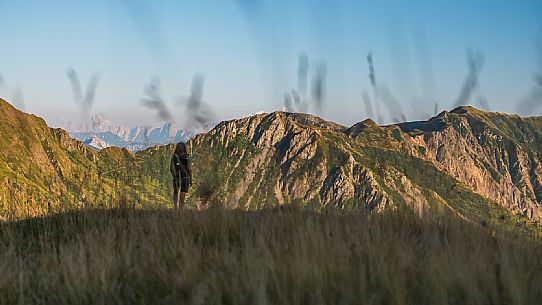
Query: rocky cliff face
point(480, 166)
point(284, 158)
point(495, 155)
point(465, 160)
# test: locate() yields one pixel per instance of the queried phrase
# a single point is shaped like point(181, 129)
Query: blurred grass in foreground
point(282, 256)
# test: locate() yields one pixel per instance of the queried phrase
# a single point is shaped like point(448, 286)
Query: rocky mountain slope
point(481, 166)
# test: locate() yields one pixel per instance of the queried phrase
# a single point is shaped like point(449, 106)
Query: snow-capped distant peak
point(96, 143)
point(99, 133)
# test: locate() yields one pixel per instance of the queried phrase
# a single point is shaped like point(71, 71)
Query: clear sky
point(248, 52)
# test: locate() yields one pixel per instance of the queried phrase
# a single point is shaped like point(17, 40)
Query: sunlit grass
point(282, 256)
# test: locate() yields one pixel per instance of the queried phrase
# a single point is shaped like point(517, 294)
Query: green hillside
point(483, 167)
point(43, 170)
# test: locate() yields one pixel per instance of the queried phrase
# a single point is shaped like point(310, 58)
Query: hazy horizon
point(248, 54)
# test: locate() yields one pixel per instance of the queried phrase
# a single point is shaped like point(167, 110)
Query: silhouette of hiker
point(182, 174)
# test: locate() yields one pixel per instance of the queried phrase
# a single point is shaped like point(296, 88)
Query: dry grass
point(268, 257)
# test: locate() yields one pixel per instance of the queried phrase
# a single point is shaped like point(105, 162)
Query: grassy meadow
point(282, 256)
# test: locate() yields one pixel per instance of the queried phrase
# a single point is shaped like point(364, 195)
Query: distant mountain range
point(484, 167)
point(99, 133)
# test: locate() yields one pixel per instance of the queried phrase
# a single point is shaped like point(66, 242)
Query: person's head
point(180, 149)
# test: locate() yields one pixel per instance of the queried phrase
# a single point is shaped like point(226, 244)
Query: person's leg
point(183, 196)
point(175, 198)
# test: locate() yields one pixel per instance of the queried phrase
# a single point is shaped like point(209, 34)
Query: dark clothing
point(181, 184)
point(180, 169)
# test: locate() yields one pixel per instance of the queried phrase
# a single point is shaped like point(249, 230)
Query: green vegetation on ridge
point(483, 166)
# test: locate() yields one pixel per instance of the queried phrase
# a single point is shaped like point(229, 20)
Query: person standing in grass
point(182, 174)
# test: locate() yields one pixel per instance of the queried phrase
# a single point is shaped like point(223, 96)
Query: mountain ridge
point(419, 144)
point(282, 158)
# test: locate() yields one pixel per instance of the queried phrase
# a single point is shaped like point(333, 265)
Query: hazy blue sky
point(248, 52)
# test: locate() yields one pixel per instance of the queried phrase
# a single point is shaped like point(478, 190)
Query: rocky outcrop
point(479, 153)
point(284, 158)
